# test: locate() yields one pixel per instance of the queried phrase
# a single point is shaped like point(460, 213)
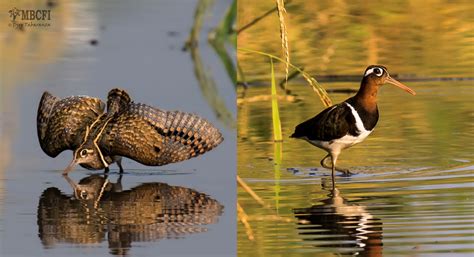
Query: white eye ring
point(376, 70)
point(83, 152)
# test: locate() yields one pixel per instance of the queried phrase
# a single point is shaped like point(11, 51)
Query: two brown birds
point(100, 137)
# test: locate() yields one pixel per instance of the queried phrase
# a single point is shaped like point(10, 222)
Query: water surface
point(412, 194)
point(138, 47)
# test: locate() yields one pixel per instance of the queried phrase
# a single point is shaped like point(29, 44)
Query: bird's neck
point(367, 95)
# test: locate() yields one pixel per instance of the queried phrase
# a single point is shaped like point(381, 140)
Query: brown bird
point(148, 135)
point(97, 213)
point(350, 122)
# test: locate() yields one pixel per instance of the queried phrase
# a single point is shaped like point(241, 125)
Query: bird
point(99, 137)
point(340, 222)
point(350, 122)
point(148, 212)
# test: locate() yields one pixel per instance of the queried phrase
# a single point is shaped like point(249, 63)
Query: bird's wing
point(332, 123)
point(61, 123)
point(155, 137)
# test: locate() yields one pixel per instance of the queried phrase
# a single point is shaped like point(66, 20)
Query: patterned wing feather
point(155, 137)
point(61, 123)
point(332, 123)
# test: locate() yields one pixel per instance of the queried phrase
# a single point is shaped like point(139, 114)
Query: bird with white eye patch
point(350, 122)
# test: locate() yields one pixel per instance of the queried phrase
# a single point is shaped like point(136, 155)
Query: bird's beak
point(400, 85)
point(71, 182)
point(70, 166)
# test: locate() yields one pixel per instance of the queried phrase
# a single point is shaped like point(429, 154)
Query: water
point(412, 194)
point(432, 38)
point(183, 209)
point(103, 211)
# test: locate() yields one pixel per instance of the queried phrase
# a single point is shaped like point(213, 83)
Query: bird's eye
point(83, 153)
point(83, 194)
point(378, 71)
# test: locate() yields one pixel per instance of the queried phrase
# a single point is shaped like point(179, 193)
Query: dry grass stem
point(284, 35)
point(243, 217)
point(251, 192)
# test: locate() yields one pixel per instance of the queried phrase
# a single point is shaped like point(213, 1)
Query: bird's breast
point(358, 125)
point(336, 145)
point(96, 165)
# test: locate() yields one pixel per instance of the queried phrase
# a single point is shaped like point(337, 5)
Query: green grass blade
point(277, 157)
point(275, 113)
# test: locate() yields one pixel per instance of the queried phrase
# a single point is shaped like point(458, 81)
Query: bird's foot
point(345, 172)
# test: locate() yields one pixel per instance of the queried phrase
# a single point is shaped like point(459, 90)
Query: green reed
point(275, 111)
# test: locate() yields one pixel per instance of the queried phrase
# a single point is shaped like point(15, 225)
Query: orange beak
point(400, 85)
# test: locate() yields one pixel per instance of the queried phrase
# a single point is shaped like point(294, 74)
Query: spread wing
point(156, 137)
point(61, 123)
point(332, 123)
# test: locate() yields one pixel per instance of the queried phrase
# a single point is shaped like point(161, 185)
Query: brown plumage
point(99, 212)
point(148, 135)
point(61, 122)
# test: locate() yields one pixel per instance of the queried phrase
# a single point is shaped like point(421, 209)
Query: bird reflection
point(342, 226)
point(100, 210)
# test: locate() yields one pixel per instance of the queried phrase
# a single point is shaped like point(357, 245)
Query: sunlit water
point(413, 188)
point(412, 194)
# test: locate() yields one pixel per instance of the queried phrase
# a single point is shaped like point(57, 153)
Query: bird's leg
point(119, 163)
point(117, 187)
point(333, 160)
point(323, 162)
point(345, 171)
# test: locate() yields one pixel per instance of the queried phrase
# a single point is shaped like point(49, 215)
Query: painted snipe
point(148, 135)
point(350, 122)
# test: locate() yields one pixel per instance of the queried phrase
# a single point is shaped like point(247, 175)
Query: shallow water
point(412, 194)
point(189, 209)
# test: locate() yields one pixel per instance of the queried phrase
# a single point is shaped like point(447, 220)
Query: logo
point(19, 19)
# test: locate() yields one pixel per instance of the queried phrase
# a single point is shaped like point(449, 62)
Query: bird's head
point(91, 188)
point(85, 154)
point(379, 75)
